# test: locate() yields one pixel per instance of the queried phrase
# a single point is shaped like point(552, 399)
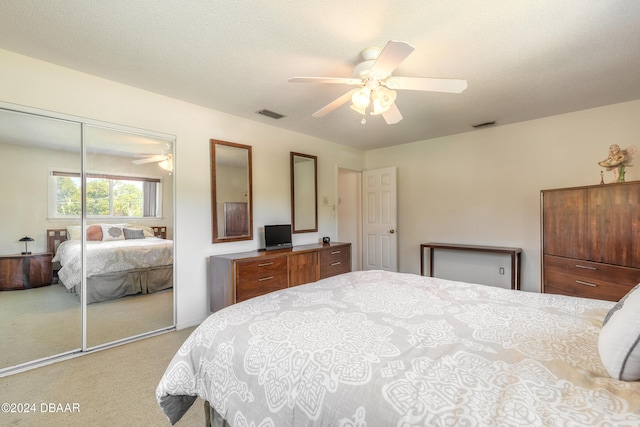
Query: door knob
point(392, 231)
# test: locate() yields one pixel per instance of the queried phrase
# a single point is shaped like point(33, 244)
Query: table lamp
point(26, 239)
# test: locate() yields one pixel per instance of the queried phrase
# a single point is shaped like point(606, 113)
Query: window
point(107, 196)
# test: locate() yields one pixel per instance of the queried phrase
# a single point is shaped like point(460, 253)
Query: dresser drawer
point(574, 277)
point(303, 268)
point(259, 277)
point(335, 260)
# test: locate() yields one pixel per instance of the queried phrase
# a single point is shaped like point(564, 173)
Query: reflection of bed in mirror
point(114, 268)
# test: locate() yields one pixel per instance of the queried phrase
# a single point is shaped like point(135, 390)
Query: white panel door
point(380, 249)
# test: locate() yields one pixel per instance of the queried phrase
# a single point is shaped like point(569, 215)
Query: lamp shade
point(167, 164)
point(383, 98)
point(361, 98)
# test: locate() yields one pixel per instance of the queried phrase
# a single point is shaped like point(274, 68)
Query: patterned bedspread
point(387, 349)
point(111, 256)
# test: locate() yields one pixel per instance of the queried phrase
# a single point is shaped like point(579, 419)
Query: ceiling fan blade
point(426, 83)
point(341, 80)
point(335, 104)
point(392, 115)
point(151, 159)
point(391, 56)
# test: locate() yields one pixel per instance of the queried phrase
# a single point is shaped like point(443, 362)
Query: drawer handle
point(262, 279)
point(586, 283)
point(586, 267)
point(335, 252)
point(264, 264)
point(335, 263)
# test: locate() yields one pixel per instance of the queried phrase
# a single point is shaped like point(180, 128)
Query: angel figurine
point(617, 160)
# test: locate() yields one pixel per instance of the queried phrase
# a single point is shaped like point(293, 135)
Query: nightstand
point(25, 271)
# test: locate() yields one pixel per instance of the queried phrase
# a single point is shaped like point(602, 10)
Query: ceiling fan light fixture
point(167, 164)
point(378, 109)
point(361, 98)
point(383, 99)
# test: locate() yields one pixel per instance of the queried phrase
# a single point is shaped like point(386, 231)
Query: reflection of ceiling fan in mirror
point(377, 86)
point(165, 161)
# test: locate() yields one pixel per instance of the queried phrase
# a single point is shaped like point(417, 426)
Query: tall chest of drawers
point(241, 276)
point(591, 240)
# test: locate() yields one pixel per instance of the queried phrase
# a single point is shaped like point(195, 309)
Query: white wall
point(483, 187)
point(24, 206)
point(38, 84)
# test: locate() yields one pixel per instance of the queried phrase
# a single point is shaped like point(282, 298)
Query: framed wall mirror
point(231, 192)
point(304, 193)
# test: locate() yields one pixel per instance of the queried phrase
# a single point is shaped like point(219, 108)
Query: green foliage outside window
point(68, 196)
point(97, 197)
point(128, 197)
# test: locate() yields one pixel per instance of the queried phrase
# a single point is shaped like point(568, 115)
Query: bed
point(376, 348)
point(114, 267)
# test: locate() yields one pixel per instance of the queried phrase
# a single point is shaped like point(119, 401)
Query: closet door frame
point(83, 347)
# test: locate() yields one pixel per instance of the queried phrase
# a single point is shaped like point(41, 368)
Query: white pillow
point(73, 232)
point(112, 232)
point(619, 340)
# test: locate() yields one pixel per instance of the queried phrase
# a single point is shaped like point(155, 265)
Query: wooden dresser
point(591, 240)
point(240, 276)
point(25, 271)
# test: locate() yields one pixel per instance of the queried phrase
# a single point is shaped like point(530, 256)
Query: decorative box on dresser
point(241, 276)
point(591, 240)
point(25, 271)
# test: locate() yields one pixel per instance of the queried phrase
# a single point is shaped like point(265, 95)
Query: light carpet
point(113, 387)
point(47, 321)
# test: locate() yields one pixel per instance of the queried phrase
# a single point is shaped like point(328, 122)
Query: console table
point(514, 253)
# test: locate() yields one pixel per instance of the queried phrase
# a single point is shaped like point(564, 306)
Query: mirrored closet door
point(129, 247)
point(39, 318)
point(86, 235)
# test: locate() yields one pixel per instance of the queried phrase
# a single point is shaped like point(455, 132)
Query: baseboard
point(190, 324)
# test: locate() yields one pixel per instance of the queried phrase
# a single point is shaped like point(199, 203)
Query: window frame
point(54, 174)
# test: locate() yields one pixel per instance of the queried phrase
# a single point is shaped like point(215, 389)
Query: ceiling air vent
point(485, 124)
point(271, 114)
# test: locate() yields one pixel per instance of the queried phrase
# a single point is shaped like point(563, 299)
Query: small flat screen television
point(277, 236)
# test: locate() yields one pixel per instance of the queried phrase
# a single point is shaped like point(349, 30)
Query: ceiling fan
point(377, 87)
point(165, 161)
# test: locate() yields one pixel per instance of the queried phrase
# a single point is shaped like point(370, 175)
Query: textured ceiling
point(522, 59)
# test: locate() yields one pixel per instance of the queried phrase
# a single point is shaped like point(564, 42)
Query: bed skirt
point(212, 417)
point(109, 286)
